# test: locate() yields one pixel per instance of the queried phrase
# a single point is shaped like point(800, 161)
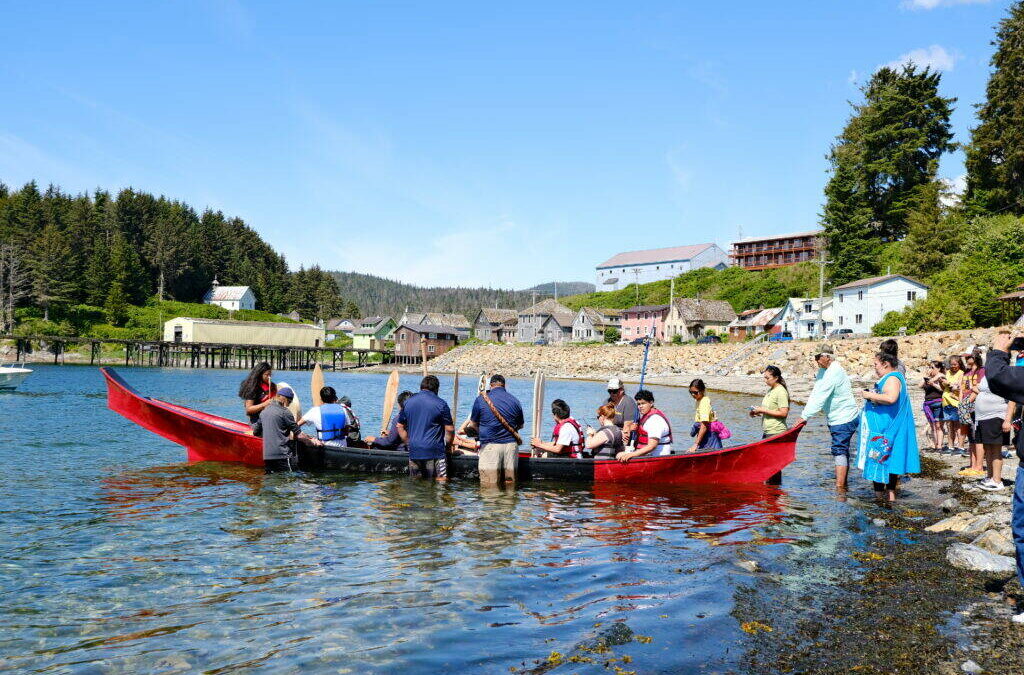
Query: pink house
point(638, 321)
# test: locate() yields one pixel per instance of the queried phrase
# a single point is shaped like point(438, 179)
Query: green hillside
point(743, 289)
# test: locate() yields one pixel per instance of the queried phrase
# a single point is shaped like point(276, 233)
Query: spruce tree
point(933, 237)
point(995, 157)
point(115, 307)
point(852, 243)
point(51, 279)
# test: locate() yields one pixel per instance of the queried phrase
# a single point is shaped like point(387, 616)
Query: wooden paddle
point(316, 383)
point(296, 405)
point(538, 403)
point(390, 396)
point(455, 397)
point(423, 354)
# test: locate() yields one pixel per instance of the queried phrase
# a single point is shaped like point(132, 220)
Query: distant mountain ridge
point(379, 296)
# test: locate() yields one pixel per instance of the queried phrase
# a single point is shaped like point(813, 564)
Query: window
point(430, 348)
point(807, 307)
point(840, 320)
point(859, 318)
point(840, 298)
point(911, 296)
point(401, 336)
point(432, 336)
point(860, 296)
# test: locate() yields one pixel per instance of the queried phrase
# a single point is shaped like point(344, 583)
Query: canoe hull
point(209, 438)
point(206, 438)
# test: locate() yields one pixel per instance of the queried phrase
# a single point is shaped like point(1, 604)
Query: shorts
point(933, 410)
point(842, 438)
point(950, 414)
point(428, 468)
point(990, 432)
point(495, 457)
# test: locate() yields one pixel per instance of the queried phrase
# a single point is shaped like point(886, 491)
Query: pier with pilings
point(163, 354)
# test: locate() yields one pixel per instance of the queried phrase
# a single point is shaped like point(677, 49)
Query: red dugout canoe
point(210, 438)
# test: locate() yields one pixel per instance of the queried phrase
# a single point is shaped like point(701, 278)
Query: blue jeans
point(842, 437)
point(1017, 522)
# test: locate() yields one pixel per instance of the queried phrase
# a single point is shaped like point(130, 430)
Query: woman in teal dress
point(888, 438)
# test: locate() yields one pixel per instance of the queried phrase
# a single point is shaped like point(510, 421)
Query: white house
point(861, 304)
point(656, 264)
point(800, 317)
point(230, 297)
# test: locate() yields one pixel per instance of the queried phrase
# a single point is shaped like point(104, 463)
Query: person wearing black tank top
point(607, 441)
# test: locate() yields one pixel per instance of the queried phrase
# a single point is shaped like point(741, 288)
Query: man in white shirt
point(567, 438)
point(833, 394)
point(653, 432)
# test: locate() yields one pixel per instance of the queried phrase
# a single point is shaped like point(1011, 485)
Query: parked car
point(784, 336)
point(637, 341)
point(709, 340)
point(840, 333)
point(542, 341)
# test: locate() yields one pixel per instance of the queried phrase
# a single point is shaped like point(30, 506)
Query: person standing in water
point(257, 390)
point(833, 394)
point(774, 406)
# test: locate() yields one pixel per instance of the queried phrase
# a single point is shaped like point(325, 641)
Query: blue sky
point(467, 143)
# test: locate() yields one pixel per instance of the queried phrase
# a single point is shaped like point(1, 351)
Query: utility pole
point(821, 290)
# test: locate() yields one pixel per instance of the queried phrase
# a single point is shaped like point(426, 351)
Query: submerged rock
point(971, 557)
point(994, 542)
point(748, 565)
point(971, 667)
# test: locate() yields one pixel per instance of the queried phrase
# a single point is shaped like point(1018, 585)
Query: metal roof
point(871, 281)
point(229, 322)
point(225, 293)
point(791, 235)
point(655, 255)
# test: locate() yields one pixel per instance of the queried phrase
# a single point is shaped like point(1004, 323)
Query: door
point(177, 333)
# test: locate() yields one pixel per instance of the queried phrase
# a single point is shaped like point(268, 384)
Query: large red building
point(759, 253)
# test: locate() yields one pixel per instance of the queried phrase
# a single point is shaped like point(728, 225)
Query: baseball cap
point(826, 349)
point(615, 383)
point(286, 392)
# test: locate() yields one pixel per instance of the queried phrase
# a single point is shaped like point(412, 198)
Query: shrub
point(43, 327)
point(939, 311)
point(612, 334)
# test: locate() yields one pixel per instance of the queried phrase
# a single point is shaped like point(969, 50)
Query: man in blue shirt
point(498, 434)
point(425, 425)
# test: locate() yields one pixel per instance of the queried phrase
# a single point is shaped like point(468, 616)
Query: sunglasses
point(693, 393)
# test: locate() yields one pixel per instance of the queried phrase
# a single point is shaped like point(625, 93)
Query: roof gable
point(226, 293)
point(872, 281)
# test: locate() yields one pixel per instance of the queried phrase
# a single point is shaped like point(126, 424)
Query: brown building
point(439, 339)
point(760, 253)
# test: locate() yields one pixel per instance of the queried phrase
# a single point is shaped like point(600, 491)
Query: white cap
point(615, 383)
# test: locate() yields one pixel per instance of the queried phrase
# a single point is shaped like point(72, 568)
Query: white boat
point(12, 376)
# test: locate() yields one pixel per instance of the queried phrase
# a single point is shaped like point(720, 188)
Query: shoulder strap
point(502, 420)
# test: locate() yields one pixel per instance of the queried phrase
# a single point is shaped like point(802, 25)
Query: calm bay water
point(116, 556)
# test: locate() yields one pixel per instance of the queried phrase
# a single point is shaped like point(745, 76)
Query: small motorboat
point(11, 376)
point(209, 438)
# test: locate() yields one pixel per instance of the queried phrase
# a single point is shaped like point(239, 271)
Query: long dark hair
point(252, 386)
point(777, 374)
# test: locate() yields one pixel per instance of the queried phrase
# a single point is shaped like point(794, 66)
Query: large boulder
point(971, 557)
point(994, 542)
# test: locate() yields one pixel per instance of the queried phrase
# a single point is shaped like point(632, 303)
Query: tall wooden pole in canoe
point(455, 397)
point(538, 403)
point(316, 383)
point(423, 354)
point(390, 396)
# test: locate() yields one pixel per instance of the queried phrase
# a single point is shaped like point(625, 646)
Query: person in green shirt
point(774, 406)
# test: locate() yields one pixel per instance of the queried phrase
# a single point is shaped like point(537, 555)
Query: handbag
point(720, 429)
point(879, 448)
point(966, 410)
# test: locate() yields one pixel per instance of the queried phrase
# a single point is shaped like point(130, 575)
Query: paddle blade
point(455, 396)
point(390, 396)
point(316, 383)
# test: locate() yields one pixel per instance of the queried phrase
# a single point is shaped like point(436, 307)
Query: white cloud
point(936, 57)
point(932, 4)
point(954, 189)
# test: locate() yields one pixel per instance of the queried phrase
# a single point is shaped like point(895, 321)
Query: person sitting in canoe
point(607, 441)
point(567, 437)
point(330, 419)
point(277, 425)
point(653, 431)
point(392, 440)
point(466, 442)
point(257, 390)
point(355, 439)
